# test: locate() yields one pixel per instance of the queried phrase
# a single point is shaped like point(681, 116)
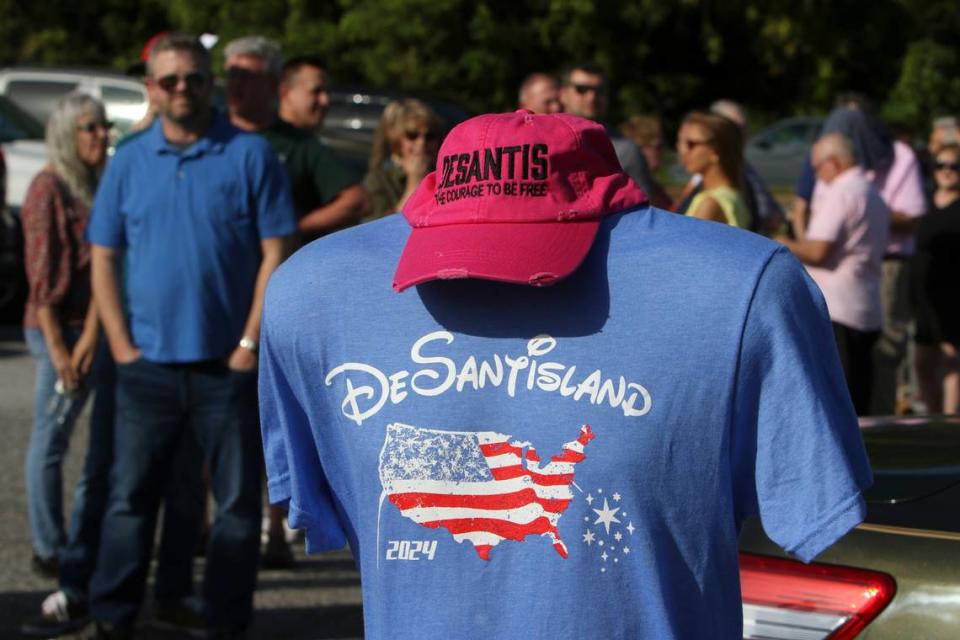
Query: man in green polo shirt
point(325, 195)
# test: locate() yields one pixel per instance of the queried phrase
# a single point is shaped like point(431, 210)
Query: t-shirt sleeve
point(107, 223)
point(295, 476)
point(904, 193)
point(330, 177)
point(271, 193)
point(798, 455)
point(828, 216)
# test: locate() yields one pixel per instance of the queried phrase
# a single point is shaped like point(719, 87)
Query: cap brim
point(535, 253)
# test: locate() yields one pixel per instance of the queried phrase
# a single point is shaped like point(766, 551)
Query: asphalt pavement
point(318, 599)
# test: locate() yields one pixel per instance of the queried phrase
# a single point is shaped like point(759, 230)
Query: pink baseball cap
point(515, 197)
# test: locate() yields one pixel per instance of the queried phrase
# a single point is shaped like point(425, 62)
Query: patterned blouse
point(56, 255)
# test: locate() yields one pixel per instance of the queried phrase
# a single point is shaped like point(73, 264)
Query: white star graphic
point(631, 528)
point(606, 516)
point(586, 519)
point(616, 559)
point(616, 496)
point(599, 490)
point(588, 537)
point(600, 542)
point(604, 556)
point(589, 499)
point(618, 536)
point(603, 569)
point(626, 550)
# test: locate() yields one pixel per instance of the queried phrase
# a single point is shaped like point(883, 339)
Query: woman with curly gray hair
point(60, 323)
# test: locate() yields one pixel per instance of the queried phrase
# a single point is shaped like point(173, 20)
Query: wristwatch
point(249, 344)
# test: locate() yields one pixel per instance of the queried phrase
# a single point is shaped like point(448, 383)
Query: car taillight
point(795, 601)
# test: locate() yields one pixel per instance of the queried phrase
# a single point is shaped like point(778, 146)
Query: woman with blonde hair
point(60, 323)
point(712, 146)
point(404, 152)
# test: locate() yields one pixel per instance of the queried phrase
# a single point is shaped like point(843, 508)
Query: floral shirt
point(56, 255)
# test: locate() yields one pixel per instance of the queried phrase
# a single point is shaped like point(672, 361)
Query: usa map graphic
point(483, 487)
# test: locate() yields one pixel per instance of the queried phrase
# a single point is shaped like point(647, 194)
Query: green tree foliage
point(778, 56)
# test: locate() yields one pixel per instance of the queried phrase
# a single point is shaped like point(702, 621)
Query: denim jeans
point(54, 417)
point(183, 506)
point(156, 405)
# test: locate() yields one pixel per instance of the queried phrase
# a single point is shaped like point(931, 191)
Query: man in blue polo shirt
point(202, 212)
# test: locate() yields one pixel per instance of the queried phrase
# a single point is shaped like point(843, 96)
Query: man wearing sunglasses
point(201, 211)
point(583, 93)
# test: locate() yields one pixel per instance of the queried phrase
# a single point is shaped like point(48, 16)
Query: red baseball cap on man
point(515, 197)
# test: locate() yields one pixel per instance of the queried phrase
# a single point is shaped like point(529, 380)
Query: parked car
point(779, 151)
point(895, 576)
point(12, 279)
point(355, 112)
point(37, 89)
point(21, 139)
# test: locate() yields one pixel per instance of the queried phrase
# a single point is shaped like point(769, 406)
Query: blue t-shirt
point(572, 461)
point(190, 222)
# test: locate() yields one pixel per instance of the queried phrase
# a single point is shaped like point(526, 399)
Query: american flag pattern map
point(482, 487)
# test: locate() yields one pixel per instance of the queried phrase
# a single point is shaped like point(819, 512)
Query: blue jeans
point(54, 417)
point(156, 405)
point(183, 506)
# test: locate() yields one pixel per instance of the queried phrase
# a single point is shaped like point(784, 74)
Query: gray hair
point(836, 145)
point(260, 47)
point(61, 138)
point(730, 110)
point(950, 127)
point(180, 42)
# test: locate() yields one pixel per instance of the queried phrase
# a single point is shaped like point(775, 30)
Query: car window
point(122, 95)
point(792, 135)
point(38, 97)
point(124, 105)
point(17, 125)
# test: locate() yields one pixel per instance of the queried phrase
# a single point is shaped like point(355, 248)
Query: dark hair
point(586, 66)
point(292, 66)
point(180, 42)
point(726, 139)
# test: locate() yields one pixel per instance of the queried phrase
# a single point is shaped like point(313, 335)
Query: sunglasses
point(939, 165)
point(92, 127)
point(413, 135)
point(194, 81)
point(584, 89)
point(686, 144)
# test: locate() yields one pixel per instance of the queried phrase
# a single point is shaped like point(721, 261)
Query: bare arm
point(57, 351)
point(812, 252)
point(708, 209)
point(348, 207)
point(798, 215)
point(274, 251)
point(106, 295)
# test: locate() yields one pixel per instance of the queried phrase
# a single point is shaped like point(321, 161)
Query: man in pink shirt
point(843, 250)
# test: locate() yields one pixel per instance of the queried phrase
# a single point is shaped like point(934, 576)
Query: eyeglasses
point(686, 144)
point(194, 81)
point(584, 89)
point(940, 165)
point(413, 135)
point(92, 127)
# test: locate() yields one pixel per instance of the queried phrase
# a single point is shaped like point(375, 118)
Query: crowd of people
point(147, 276)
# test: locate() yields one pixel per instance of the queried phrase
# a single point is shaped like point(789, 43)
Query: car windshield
point(15, 124)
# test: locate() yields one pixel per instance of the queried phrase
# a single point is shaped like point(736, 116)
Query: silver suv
point(37, 89)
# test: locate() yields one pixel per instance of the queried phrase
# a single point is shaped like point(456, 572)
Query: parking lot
point(319, 598)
